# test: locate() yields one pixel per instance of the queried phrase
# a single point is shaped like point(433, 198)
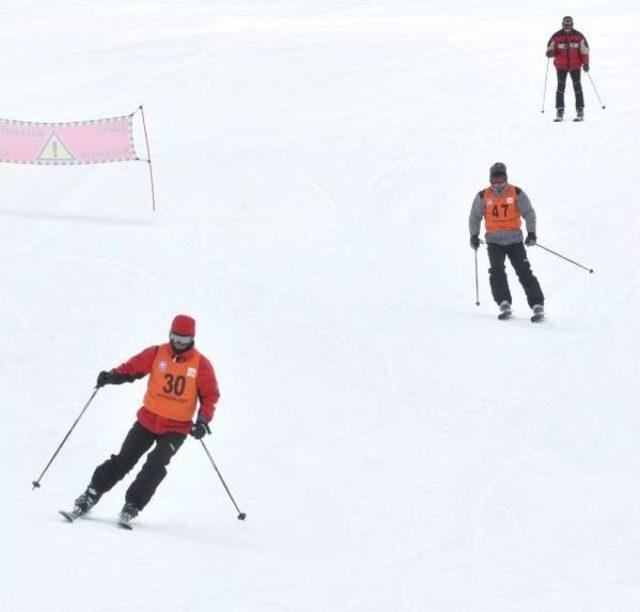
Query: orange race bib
point(172, 391)
point(501, 212)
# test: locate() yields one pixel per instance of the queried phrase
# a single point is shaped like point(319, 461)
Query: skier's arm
point(208, 391)
point(551, 47)
point(138, 366)
point(476, 215)
point(526, 211)
point(584, 50)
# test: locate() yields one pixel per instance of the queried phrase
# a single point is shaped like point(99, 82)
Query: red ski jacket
point(571, 50)
point(207, 386)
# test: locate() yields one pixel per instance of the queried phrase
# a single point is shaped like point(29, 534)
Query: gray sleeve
point(476, 215)
point(527, 212)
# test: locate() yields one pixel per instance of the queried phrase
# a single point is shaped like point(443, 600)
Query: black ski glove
point(531, 239)
point(475, 242)
point(113, 378)
point(105, 378)
point(585, 67)
point(200, 429)
point(550, 52)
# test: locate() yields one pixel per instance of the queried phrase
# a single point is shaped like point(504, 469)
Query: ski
point(558, 119)
point(579, 119)
point(537, 318)
point(504, 316)
point(70, 516)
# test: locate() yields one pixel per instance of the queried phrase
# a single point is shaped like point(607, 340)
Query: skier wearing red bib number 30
point(502, 206)
point(179, 377)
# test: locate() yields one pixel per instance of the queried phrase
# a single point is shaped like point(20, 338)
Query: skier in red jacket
point(570, 52)
point(179, 377)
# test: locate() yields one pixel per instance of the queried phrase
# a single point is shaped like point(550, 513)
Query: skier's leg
point(518, 257)
point(154, 469)
point(577, 88)
point(562, 82)
point(114, 469)
point(497, 275)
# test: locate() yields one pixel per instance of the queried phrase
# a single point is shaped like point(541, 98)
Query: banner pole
point(146, 138)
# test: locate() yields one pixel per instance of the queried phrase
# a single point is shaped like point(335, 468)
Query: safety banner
point(78, 142)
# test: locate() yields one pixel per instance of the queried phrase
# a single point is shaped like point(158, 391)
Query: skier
point(570, 51)
point(501, 205)
point(179, 376)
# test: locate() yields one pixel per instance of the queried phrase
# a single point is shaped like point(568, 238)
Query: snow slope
point(394, 446)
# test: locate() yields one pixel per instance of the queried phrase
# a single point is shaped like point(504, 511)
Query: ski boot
point(538, 313)
point(559, 114)
point(505, 310)
point(580, 115)
point(86, 501)
point(127, 514)
point(82, 505)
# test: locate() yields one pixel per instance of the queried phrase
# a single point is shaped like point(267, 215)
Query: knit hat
point(183, 325)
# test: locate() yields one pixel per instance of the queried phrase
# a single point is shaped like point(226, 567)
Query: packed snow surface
point(395, 447)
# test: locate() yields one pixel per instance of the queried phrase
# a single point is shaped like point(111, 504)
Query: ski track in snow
point(395, 447)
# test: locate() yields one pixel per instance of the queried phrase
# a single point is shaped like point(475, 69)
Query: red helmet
point(183, 325)
point(183, 330)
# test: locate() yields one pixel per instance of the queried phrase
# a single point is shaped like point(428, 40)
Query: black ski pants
point(498, 278)
point(577, 88)
point(138, 441)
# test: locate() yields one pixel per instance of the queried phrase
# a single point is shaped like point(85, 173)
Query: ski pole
point(594, 89)
point(241, 515)
point(477, 290)
point(575, 263)
point(544, 92)
point(476, 266)
point(36, 483)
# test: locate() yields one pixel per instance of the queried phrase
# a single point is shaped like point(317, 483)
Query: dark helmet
point(567, 21)
point(498, 169)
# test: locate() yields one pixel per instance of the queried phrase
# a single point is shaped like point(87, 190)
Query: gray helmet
point(498, 169)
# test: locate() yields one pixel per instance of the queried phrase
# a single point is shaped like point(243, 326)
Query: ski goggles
point(180, 341)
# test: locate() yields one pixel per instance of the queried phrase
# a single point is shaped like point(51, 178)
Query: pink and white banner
point(80, 142)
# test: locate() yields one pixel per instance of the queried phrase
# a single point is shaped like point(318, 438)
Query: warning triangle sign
point(55, 150)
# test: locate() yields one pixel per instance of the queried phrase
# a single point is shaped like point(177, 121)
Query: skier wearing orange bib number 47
point(502, 206)
point(179, 377)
